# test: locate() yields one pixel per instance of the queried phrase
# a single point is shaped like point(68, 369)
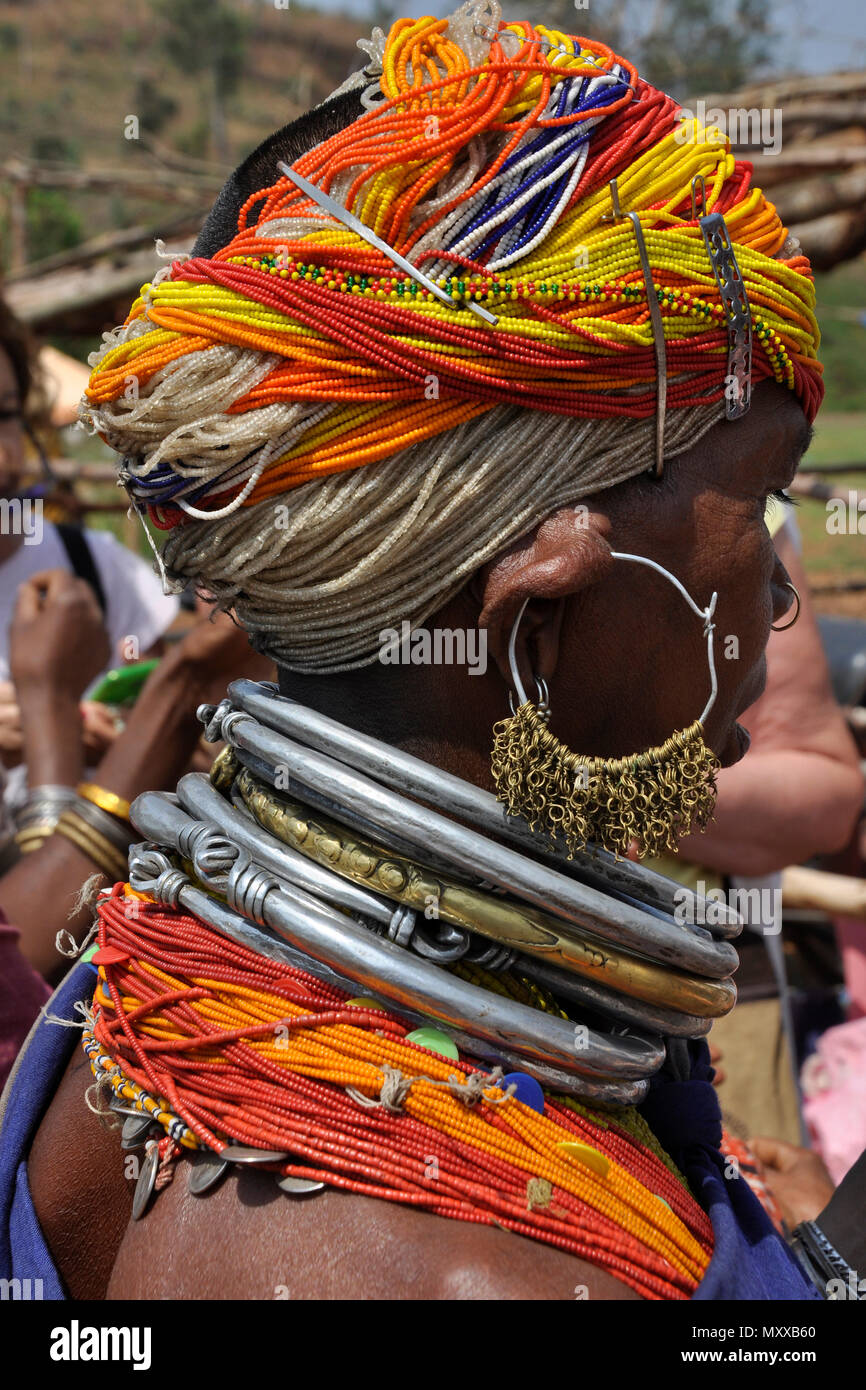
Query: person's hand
point(100, 728)
point(797, 1178)
point(11, 733)
point(215, 651)
point(715, 1058)
point(57, 639)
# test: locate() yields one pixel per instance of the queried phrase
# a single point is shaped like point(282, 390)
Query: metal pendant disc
point(296, 1187)
point(206, 1174)
point(239, 1153)
point(135, 1130)
point(146, 1181)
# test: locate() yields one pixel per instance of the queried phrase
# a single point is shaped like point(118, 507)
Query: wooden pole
point(17, 204)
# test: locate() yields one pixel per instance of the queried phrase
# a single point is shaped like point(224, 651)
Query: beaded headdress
point(333, 447)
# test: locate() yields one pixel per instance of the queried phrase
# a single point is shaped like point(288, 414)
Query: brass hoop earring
point(652, 797)
point(543, 705)
point(785, 626)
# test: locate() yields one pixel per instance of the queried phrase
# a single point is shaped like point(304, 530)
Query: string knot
point(471, 1091)
point(392, 1095)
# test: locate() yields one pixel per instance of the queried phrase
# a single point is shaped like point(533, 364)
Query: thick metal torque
point(616, 922)
point(411, 776)
point(635, 1013)
point(199, 798)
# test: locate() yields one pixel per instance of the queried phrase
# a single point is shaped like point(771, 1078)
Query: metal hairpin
point(732, 288)
point(698, 183)
point(355, 225)
point(657, 325)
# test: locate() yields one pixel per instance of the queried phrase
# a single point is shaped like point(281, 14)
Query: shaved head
point(259, 169)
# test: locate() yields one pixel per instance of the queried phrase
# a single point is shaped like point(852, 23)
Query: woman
point(353, 457)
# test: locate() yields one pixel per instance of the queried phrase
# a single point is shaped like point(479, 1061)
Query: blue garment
point(31, 1085)
point(750, 1260)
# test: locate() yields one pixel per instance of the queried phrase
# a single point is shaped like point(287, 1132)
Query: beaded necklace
point(221, 1046)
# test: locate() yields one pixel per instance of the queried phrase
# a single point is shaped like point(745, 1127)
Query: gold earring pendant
point(651, 798)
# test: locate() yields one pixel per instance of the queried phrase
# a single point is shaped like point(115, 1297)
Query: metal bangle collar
point(620, 880)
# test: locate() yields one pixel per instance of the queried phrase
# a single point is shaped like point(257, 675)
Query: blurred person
point(800, 791)
point(797, 1178)
point(57, 642)
point(23, 992)
point(797, 794)
point(136, 613)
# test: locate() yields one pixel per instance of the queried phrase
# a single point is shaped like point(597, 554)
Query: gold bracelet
point(105, 800)
point(33, 837)
point(101, 854)
point(95, 846)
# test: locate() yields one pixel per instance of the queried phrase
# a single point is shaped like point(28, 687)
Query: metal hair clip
point(354, 224)
point(547, 47)
point(655, 318)
point(738, 381)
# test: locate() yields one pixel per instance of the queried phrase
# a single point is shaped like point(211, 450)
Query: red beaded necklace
point(241, 1049)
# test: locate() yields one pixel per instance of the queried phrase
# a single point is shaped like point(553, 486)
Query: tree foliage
point(207, 41)
point(686, 47)
point(698, 49)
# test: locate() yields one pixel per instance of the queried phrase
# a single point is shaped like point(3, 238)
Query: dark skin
point(625, 661)
point(57, 644)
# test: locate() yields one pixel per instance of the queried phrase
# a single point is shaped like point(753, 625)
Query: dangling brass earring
point(653, 798)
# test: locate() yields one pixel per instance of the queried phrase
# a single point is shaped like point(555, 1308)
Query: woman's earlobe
point(558, 561)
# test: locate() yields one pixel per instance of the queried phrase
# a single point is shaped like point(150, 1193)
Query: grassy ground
point(841, 309)
point(835, 558)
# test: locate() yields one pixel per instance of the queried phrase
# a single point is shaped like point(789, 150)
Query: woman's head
point(623, 654)
point(332, 452)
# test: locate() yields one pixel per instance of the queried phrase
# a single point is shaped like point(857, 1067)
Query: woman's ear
point(563, 557)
